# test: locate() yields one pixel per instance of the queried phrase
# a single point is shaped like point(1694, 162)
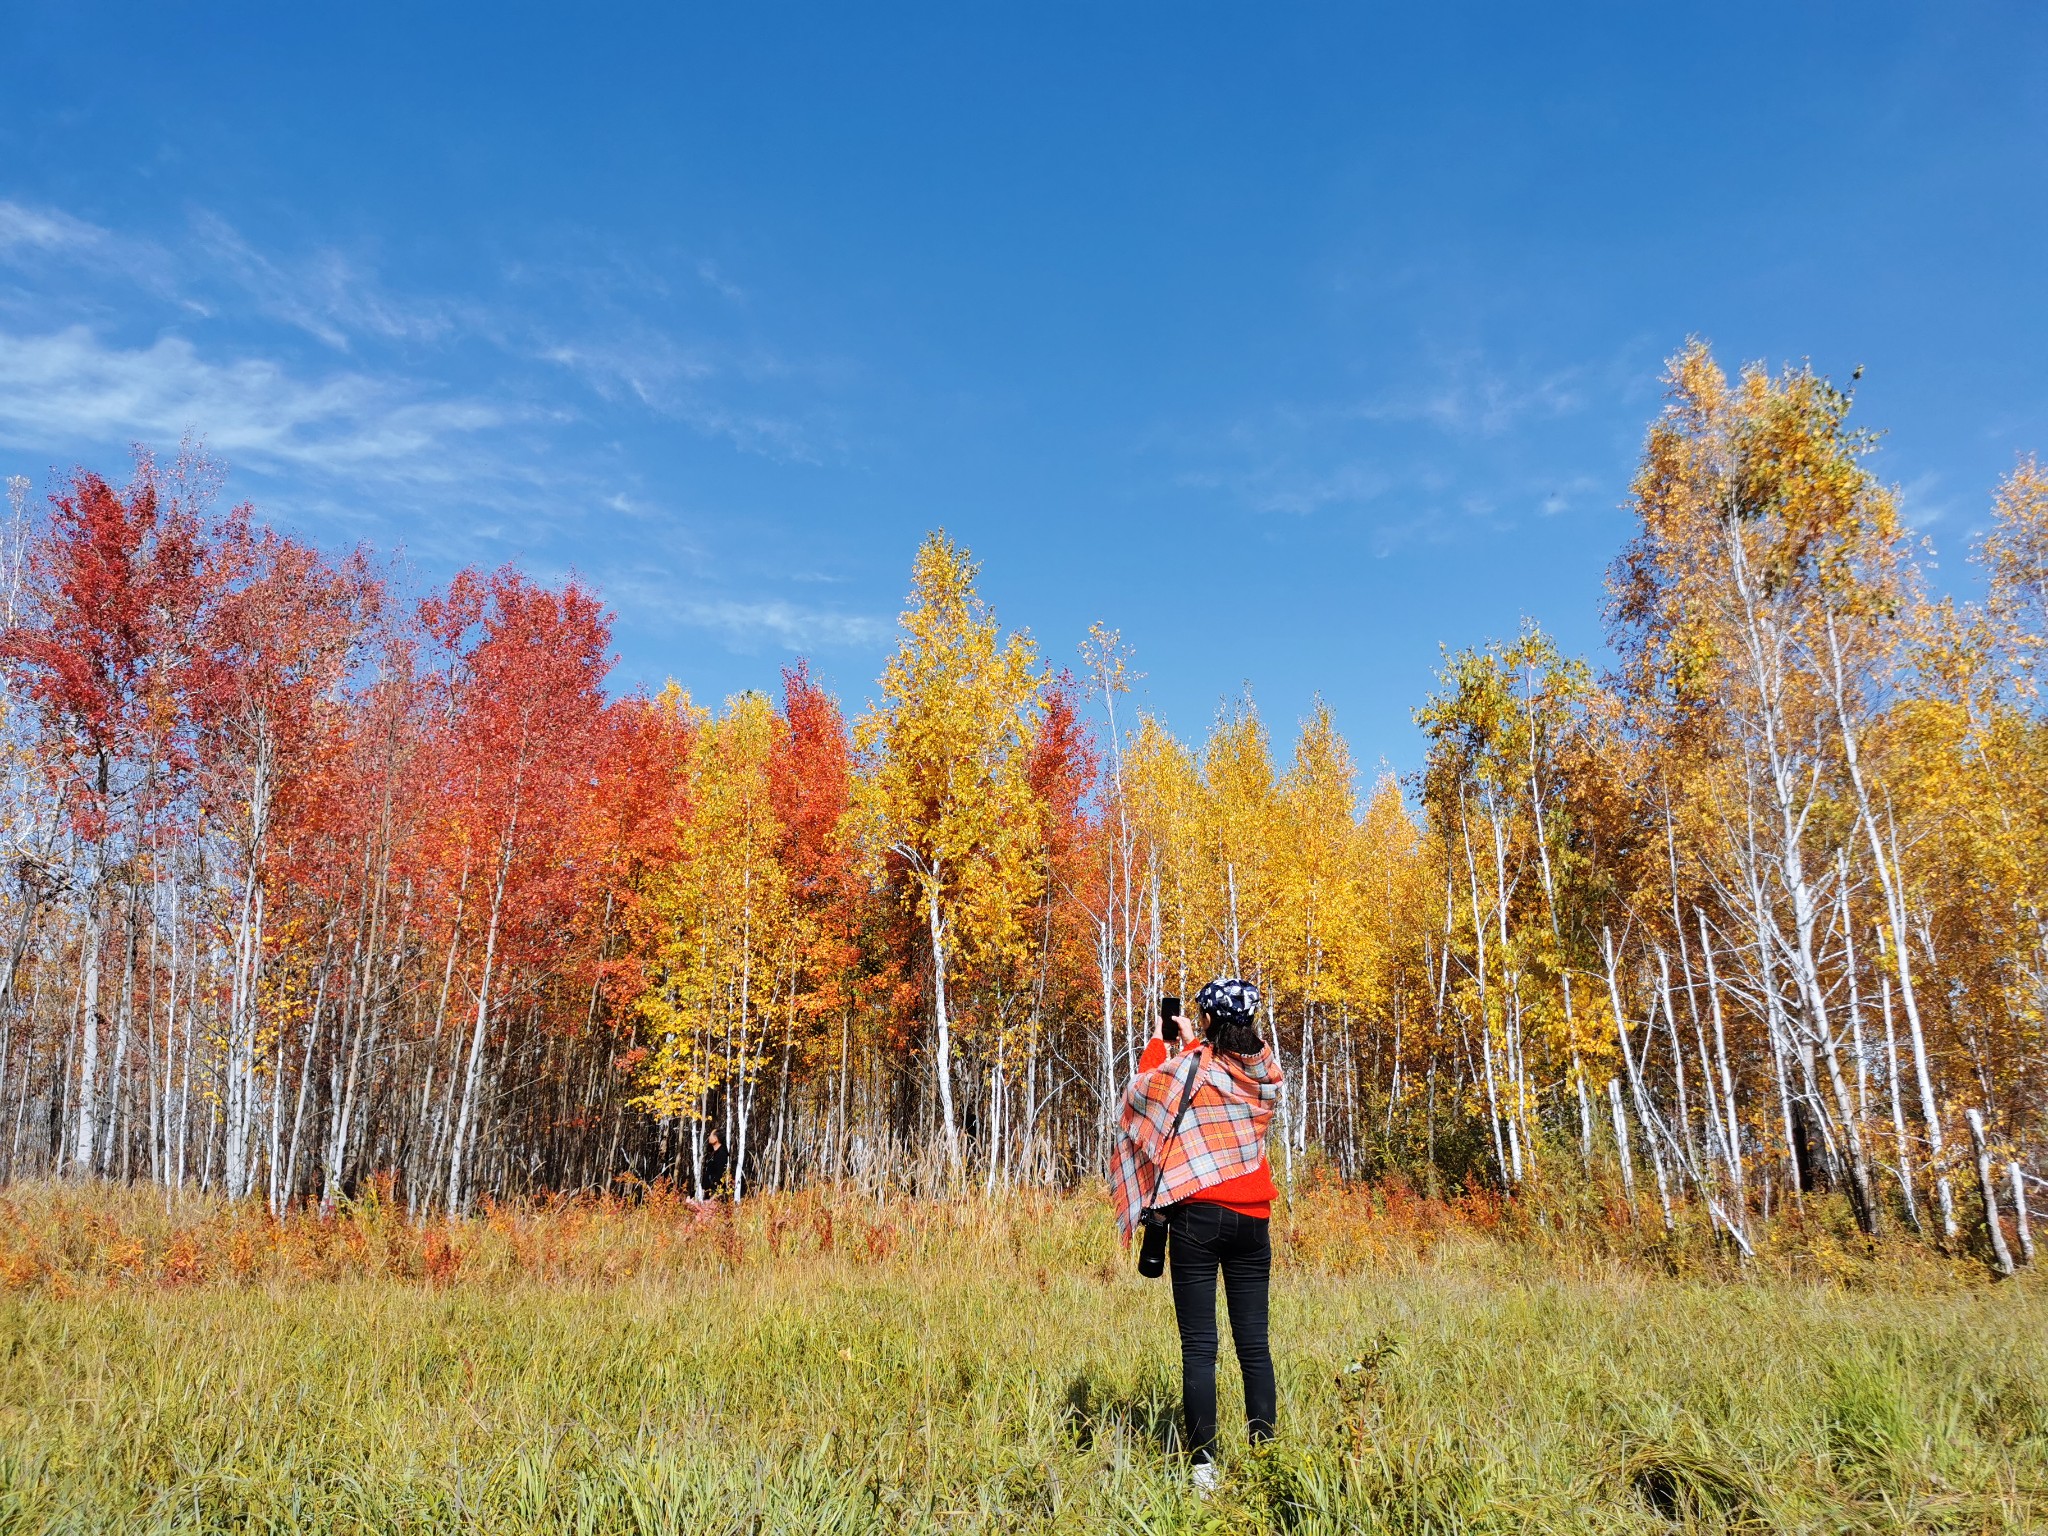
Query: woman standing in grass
point(1212, 1182)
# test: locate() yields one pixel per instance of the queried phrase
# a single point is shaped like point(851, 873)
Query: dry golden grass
point(824, 1362)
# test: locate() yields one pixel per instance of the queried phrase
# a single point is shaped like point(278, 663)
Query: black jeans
point(1204, 1239)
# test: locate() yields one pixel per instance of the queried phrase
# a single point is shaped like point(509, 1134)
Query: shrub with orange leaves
point(70, 1239)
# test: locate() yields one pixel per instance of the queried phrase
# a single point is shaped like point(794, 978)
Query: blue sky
point(1293, 342)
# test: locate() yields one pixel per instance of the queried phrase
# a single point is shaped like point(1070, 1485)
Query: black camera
point(1152, 1256)
point(1152, 1253)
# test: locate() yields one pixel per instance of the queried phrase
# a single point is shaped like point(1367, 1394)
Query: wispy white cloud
point(750, 624)
point(793, 624)
point(65, 385)
point(1460, 440)
point(45, 229)
point(711, 277)
point(646, 370)
point(70, 389)
point(679, 381)
point(67, 260)
point(1345, 485)
point(605, 328)
point(1461, 394)
point(1468, 395)
point(327, 295)
point(324, 293)
point(1921, 502)
point(483, 427)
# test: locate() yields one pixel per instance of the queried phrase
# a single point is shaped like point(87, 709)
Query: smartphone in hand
point(1169, 1019)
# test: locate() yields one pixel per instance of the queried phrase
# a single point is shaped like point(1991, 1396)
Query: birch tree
point(947, 798)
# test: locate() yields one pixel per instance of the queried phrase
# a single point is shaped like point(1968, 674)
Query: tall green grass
point(830, 1365)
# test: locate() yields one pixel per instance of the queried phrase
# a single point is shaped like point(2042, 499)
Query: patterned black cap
point(1229, 1002)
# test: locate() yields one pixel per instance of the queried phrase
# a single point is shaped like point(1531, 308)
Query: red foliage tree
point(810, 788)
point(1063, 773)
point(275, 644)
point(640, 801)
point(117, 582)
point(520, 747)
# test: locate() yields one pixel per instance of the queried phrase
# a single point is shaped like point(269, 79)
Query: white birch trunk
point(937, 926)
point(467, 1111)
point(1987, 1187)
point(1899, 1139)
point(1628, 1163)
point(2018, 1182)
point(85, 1138)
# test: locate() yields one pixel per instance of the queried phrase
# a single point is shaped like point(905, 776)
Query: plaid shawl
point(1223, 1135)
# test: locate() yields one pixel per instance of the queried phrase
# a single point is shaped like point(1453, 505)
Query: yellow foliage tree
point(946, 799)
point(720, 931)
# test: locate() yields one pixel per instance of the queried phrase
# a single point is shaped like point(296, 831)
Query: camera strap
point(1187, 1096)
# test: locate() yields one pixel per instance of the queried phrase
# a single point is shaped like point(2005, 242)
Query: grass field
point(828, 1364)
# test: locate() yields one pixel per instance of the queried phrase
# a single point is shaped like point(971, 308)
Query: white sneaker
point(1206, 1478)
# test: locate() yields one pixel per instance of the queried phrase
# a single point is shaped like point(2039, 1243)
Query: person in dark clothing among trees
point(716, 1161)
